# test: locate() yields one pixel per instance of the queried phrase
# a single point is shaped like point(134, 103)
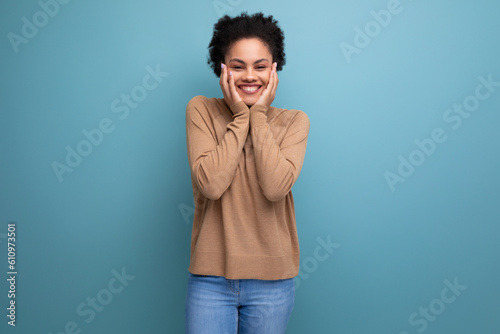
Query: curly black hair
point(230, 30)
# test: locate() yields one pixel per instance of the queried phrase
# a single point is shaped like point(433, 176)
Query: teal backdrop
point(397, 204)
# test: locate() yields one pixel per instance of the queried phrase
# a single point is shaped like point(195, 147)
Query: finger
point(231, 83)
point(275, 79)
point(225, 87)
point(272, 81)
point(269, 86)
point(271, 78)
point(221, 79)
point(232, 86)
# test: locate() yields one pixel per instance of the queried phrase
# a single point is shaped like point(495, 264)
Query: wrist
point(260, 107)
point(258, 114)
point(239, 108)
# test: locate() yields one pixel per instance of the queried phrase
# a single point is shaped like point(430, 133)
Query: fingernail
point(221, 65)
point(231, 73)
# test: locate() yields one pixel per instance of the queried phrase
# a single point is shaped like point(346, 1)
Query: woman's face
point(251, 63)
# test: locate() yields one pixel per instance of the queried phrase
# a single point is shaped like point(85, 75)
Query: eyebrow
point(255, 62)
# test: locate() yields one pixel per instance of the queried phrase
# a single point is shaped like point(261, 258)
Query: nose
point(249, 75)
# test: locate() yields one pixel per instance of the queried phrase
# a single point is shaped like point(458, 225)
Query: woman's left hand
point(267, 96)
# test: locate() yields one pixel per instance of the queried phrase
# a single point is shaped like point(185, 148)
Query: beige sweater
point(243, 166)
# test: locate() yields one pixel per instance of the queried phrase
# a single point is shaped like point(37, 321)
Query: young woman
point(245, 155)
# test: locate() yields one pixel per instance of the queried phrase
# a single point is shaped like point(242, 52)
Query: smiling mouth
point(249, 89)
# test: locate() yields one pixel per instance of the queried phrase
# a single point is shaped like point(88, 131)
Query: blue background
point(128, 204)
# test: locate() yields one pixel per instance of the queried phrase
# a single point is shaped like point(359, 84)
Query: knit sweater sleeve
point(214, 164)
point(278, 165)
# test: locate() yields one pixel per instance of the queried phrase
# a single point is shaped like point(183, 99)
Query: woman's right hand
point(226, 82)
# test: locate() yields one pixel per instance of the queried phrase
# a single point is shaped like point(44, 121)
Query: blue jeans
point(217, 305)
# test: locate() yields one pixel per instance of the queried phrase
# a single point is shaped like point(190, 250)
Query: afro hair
point(230, 30)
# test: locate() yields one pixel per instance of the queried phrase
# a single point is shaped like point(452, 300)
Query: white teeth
point(250, 89)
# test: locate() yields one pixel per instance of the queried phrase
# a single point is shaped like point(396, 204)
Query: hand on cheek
point(228, 88)
point(267, 96)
